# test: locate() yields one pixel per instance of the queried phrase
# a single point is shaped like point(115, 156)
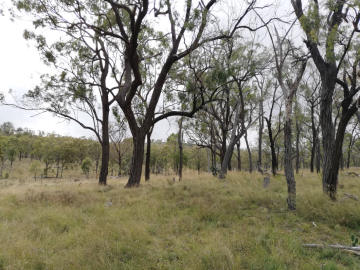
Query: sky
point(20, 70)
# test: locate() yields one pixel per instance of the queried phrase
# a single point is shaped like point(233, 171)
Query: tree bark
point(105, 147)
point(180, 143)
point(238, 155)
point(249, 152)
point(298, 130)
point(148, 155)
point(272, 147)
point(136, 161)
point(289, 171)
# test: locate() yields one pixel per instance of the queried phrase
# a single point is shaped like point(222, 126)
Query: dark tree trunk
point(223, 146)
point(329, 178)
point(57, 168)
point(180, 142)
point(272, 148)
point(238, 155)
point(249, 152)
point(105, 144)
point(136, 161)
point(333, 172)
point(148, 155)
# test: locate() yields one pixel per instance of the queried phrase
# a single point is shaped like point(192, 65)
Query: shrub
point(86, 165)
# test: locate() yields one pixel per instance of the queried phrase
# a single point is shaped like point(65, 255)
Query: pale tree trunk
point(298, 130)
point(260, 135)
point(289, 171)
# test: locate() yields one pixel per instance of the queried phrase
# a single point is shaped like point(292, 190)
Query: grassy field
point(199, 223)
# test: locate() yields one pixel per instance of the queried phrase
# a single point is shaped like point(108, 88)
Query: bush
point(86, 165)
point(35, 167)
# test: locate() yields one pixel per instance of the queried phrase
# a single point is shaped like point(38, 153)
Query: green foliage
point(86, 166)
point(354, 240)
point(35, 168)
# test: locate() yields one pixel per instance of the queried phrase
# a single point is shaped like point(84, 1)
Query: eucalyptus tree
point(273, 134)
point(352, 137)
point(127, 41)
point(78, 81)
point(221, 123)
point(330, 29)
point(310, 93)
point(287, 59)
point(118, 132)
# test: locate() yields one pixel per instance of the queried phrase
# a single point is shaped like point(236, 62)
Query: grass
point(199, 223)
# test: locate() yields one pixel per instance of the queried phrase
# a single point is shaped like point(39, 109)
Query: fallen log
point(353, 250)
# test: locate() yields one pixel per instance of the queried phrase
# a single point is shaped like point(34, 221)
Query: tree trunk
point(317, 155)
point(297, 164)
point(148, 155)
point(333, 172)
point(105, 145)
point(119, 160)
point(233, 140)
point(272, 147)
point(314, 139)
point(249, 152)
point(136, 161)
point(238, 155)
point(327, 129)
point(261, 127)
point(289, 171)
point(180, 142)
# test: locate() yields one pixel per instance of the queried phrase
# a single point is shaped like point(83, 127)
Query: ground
point(199, 223)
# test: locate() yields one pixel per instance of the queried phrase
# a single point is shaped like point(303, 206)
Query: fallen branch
point(350, 196)
point(354, 250)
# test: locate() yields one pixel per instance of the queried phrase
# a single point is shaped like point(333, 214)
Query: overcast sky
point(20, 70)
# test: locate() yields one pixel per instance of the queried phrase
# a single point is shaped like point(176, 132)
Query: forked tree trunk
point(136, 161)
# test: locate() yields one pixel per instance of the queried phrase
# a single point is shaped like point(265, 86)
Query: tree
point(289, 84)
point(271, 135)
point(80, 59)
point(340, 25)
point(118, 133)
